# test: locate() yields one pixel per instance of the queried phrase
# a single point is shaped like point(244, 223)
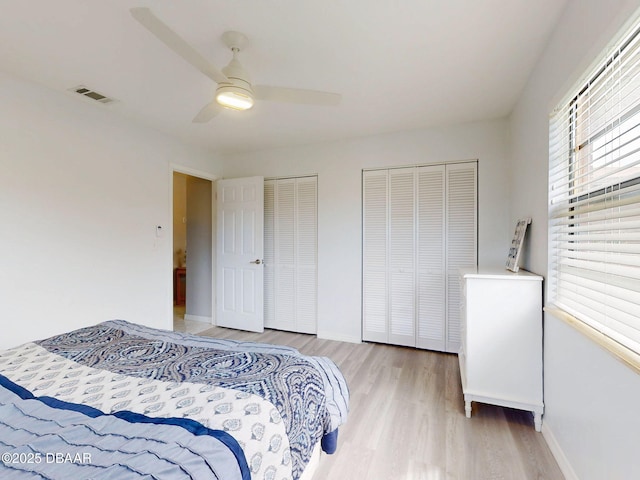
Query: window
point(594, 198)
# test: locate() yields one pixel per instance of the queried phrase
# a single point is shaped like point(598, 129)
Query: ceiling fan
point(234, 90)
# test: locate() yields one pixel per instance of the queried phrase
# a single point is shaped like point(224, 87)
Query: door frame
point(177, 168)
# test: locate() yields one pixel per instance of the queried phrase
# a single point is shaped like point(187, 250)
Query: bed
point(121, 400)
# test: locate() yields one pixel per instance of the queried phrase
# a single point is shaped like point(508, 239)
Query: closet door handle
point(257, 261)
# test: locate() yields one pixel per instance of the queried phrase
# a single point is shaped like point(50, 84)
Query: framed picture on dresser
point(516, 244)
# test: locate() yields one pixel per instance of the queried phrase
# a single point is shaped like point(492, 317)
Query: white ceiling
point(401, 64)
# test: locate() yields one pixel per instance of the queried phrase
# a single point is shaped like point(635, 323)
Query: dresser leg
point(467, 408)
point(537, 421)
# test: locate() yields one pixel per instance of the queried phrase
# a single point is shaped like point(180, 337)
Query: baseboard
point(558, 454)
point(338, 337)
point(199, 318)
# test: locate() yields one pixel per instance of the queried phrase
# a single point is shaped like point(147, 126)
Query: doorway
point(192, 273)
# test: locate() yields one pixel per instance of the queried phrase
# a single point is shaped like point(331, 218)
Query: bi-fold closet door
point(290, 254)
point(419, 228)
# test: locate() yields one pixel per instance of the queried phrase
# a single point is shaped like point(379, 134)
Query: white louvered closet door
point(306, 254)
point(462, 241)
point(402, 330)
point(269, 253)
point(374, 251)
point(431, 258)
point(419, 227)
point(285, 288)
point(291, 254)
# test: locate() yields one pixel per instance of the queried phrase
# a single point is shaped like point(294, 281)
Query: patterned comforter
point(274, 402)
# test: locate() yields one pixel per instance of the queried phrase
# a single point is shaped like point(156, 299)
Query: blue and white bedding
point(271, 401)
point(46, 438)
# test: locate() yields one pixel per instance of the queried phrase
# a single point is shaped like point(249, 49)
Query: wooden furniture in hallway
point(179, 285)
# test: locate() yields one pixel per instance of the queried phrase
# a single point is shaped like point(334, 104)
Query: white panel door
point(239, 247)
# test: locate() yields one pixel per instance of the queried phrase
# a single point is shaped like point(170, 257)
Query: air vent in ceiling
point(92, 94)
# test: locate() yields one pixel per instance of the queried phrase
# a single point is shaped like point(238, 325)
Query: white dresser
point(501, 339)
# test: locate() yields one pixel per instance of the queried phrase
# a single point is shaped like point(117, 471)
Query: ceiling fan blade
point(209, 111)
point(296, 95)
point(172, 40)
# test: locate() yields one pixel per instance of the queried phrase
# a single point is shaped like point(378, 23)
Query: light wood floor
point(407, 422)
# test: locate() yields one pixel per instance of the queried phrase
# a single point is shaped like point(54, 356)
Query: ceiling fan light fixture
point(230, 96)
point(234, 89)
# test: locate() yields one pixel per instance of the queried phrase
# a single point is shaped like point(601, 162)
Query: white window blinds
point(594, 198)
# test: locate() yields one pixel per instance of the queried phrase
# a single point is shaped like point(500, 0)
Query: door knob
point(257, 261)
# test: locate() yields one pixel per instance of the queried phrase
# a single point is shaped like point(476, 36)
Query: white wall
point(199, 250)
point(591, 416)
point(81, 191)
point(339, 168)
